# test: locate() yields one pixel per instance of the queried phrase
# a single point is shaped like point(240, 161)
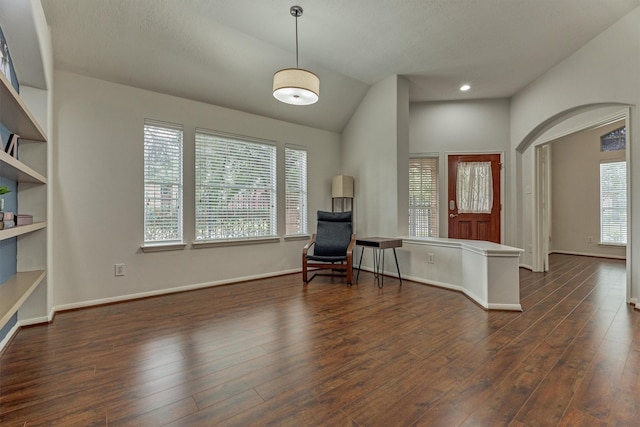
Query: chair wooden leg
point(305, 277)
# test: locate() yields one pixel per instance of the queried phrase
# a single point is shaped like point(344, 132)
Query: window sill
point(163, 247)
point(615, 245)
point(297, 237)
point(233, 242)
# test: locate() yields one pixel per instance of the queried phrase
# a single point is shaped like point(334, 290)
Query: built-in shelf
point(15, 115)
point(21, 229)
point(15, 291)
point(13, 169)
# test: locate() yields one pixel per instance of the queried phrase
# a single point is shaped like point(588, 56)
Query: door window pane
point(474, 187)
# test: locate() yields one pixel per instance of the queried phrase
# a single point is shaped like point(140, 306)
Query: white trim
point(148, 248)
point(527, 266)
point(555, 251)
point(7, 338)
point(34, 321)
point(122, 298)
point(467, 293)
point(505, 307)
point(607, 120)
point(293, 237)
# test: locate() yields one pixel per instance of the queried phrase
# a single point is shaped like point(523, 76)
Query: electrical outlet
point(589, 239)
point(430, 258)
point(119, 269)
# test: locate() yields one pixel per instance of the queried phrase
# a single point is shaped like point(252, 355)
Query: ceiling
point(225, 52)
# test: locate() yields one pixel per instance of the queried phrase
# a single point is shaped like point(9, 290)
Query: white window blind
point(235, 187)
point(295, 191)
point(162, 182)
point(613, 203)
point(423, 197)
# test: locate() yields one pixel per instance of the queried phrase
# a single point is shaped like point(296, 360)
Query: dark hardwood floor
point(276, 353)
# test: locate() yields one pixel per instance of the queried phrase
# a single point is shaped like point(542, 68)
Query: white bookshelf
point(15, 115)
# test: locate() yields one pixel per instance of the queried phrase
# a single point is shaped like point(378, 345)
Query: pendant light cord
point(297, 42)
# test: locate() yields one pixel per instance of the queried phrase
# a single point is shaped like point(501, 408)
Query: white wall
point(370, 147)
point(585, 80)
point(459, 127)
point(97, 181)
point(575, 191)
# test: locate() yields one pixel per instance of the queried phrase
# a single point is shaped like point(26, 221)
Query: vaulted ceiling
point(225, 52)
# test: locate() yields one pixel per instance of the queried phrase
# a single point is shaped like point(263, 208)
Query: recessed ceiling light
point(465, 88)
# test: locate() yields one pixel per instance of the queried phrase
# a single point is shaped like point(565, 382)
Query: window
point(162, 182)
point(474, 187)
point(296, 191)
point(613, 203)
point(423, 197)
point(614, 140)
point(235, 187)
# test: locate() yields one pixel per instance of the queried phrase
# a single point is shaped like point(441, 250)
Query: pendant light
point(296, 86)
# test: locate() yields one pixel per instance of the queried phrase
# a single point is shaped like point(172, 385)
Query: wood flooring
point(274, 352)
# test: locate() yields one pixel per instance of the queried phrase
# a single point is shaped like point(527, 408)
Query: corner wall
point(460, 127)
point(374, 146)
point(98, 193)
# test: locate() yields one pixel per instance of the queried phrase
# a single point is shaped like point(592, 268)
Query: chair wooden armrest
point(308, 245)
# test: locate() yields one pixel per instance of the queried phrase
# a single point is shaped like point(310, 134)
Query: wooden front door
point(472, 213)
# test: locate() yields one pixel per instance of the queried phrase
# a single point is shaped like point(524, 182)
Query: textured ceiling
point(225, 52)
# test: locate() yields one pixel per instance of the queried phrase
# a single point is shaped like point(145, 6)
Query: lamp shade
point(342, 186)
point(296, 86)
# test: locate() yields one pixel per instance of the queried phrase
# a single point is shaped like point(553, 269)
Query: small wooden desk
point(379, 244)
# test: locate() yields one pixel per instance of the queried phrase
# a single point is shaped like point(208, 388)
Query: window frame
point(299, 186)
point(414, 227)
point(226, 143)
point(623, 209)
point(177, 240)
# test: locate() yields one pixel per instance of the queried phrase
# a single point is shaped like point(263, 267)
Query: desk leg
point(359, 264)
point(381, 274)
point(397, 266)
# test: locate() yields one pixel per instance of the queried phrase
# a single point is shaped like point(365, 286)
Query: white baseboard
point(526, 266)
point(7, 339)
point(129, 297)
point(588, 254)
point(470, 295)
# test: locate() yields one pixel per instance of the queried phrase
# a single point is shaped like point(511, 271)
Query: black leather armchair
point(332, 245)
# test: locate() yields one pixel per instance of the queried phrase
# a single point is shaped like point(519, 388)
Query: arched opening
point(532, 157)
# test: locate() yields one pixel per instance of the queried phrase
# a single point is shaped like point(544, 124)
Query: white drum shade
point(296, 86)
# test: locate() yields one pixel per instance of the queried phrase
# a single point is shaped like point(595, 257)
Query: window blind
point(295, 191)
point(162, 182)
point(613, 203)
point(235, 187)
point(423, 197)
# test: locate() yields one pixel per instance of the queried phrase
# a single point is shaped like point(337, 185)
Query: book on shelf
point(12, 145)
point(8, 220)
point(23, 219)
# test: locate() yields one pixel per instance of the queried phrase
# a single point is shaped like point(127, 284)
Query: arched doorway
point(532, 156)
